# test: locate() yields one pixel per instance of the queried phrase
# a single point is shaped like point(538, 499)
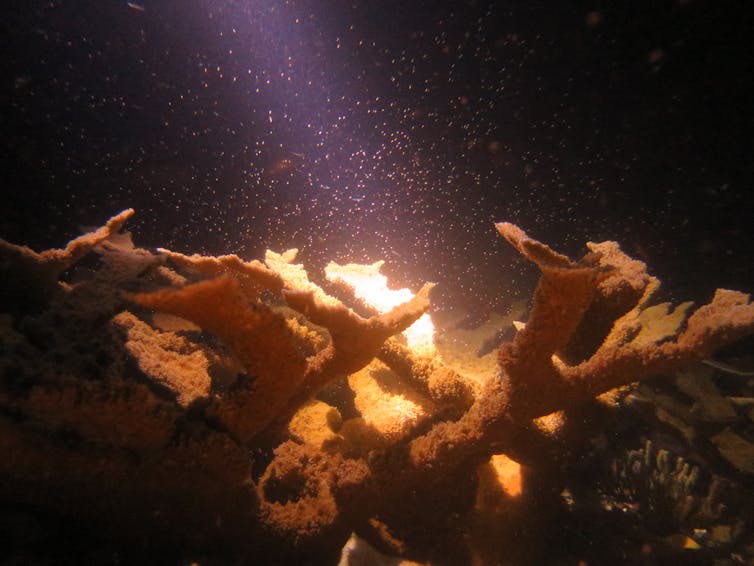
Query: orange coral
point(585, 335)
point(259, 337)
point(56, 260)
point(536, 381)
point(30, 275)
point(369, 459)
point(541, 382)
point(282, 379)
point(355, 340)
point(169, 359)
point(252, 275)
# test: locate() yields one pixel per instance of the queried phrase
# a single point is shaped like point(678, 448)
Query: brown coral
point(339, 441)
point(563, 296)
point(29, 276)
point(537, 382)
point(167, 358)
point(282, 380)
point(259, 337)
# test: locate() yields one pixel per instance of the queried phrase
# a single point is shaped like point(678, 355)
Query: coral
point(259, 337)
point(167, 358)
point(282, 378)
point(29, 276)
point(657, 478)
point(563, 296)
point(272, 412)
point(672, 494)
point(736, 449)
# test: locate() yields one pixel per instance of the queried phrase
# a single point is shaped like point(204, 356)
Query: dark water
point(396, 130)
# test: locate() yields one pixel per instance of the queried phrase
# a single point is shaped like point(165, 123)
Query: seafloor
point(161, 408)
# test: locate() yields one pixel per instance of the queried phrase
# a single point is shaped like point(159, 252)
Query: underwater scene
point(377, 283)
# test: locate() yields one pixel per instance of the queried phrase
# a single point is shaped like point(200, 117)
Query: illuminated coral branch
point(371, 287)
point(355, 340)
point(537, 381)
point(282, 380)
point(252, 275)
point(163, 420)
point(417, 361)
point(451, 391)
point(542, 382)
point(259, 337)
point(294, 276)
point(31, 275)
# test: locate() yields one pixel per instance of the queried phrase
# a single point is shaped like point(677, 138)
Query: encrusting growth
point(353, 424)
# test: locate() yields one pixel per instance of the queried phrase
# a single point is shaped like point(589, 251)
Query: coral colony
point(228, 404)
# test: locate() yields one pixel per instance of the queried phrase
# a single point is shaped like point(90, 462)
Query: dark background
point(397, 130)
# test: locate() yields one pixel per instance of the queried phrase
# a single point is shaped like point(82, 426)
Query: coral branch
point(294, 275)
point(253, 275)
point(429, 375)
point(727, 318)
point(371, 287)
point(282, 379)
point(259, 337)
point(564, 293)
point(30, 275)
point(542, 382)
point(277, 422)
point(355, 340)
point(167, 358)
point(536, 382)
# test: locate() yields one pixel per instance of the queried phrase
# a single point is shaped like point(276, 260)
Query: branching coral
point(29, 276)
point(340, 441)
point(282, 378)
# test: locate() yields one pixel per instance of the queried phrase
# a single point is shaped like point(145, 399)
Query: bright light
point(370, 286)
point(508, 474)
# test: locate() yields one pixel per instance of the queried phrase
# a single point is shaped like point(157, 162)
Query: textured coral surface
point(210, 408)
